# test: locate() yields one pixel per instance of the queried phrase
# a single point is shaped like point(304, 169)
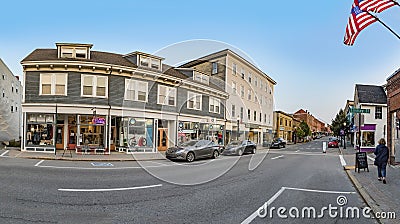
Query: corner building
point(75, 97)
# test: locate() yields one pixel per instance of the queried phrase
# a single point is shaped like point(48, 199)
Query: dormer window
point(144, 61)
point(200, 77)
point(70, 52)
point(150, 62)
point(80, 51)
point(155, 64)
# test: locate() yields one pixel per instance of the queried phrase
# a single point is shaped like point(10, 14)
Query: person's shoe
point(384, 181)
point(380, 179)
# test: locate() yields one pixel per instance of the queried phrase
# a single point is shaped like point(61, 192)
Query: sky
point(299, 44)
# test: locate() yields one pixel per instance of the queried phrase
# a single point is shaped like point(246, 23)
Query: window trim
point(94, 85)
point(195, 95)
point(213, 99)
point(136, 83)
point(380, 113)
point(168, 90)
point(53, 83)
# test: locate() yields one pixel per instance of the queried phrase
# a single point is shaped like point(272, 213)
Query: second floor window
point(214, 105)
point(255, 116)
point(378, 112)
point(136, 90)
point(242, 91)
point(248, 114)
point(214, 68)
point(94, 86)
point(166, 95)
point(194, 101)
point(233, 111)
point(53, 84)
point(249, 94)
point(241, 113)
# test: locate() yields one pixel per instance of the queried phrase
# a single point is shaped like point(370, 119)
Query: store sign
point(98, 120)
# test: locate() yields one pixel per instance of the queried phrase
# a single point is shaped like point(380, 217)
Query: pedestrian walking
point(381, 159)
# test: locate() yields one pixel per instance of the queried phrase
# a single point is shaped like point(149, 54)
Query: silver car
point(193, 149)
point(240, 147)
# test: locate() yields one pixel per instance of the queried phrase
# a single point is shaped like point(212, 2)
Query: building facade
point(10, 106)
point(76, 97)
point(370, 127)
point(393, 115)
point(283, 127)
point(249, 108)
point(317, 127)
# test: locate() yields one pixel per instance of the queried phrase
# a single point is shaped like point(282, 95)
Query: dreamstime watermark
point(340, 210)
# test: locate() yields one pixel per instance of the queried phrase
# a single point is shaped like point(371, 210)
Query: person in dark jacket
point(381, 159)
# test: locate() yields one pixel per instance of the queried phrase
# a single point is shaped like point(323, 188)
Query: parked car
point(194, 149)
point(240, 147)
point(278, 143)
point(333, 143)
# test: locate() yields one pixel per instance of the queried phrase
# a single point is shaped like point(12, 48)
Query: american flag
point(376, 6)
point(358, 20)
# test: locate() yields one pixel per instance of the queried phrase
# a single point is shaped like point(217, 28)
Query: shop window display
point(368, 139)
point(39, 130)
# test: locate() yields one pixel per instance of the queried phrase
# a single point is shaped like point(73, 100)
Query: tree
point(337, 123)
point(305, 128)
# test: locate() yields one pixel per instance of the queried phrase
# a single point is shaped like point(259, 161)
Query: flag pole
point(387, 27)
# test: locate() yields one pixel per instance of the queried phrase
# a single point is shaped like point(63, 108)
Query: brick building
point(393, 115)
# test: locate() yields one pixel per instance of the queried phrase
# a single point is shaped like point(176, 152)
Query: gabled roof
point(95, 56)
point(301, 111)
point(371, 94)
point(222, 53)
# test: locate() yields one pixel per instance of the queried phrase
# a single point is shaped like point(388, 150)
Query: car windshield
point(189, 143)
point(235, 143)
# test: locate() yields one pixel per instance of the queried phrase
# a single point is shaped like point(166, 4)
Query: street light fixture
point(237, 135)
point(344, 136)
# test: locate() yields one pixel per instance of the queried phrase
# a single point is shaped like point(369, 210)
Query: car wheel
point(240, 152)
point(190, 157)
point(279, 146)
point(284, 145)
point(215, 154)
point(253, 151)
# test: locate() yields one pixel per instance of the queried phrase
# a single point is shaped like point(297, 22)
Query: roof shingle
point(371, 94)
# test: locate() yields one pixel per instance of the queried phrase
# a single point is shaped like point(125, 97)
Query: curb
point(364, 195)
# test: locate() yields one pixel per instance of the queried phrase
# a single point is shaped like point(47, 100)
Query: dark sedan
point(194, 149)
point(240, 147)
point(278, 143)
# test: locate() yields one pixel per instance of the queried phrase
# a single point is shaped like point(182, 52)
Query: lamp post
point(344, 136)
point(237, 135)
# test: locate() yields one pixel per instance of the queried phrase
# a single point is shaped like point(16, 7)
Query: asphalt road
point(224, 190)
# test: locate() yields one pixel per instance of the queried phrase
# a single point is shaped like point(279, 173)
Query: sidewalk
point(72, 156)
point(379, 197)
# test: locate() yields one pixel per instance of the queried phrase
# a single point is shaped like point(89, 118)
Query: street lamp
point(237, 135)
point(344, 136)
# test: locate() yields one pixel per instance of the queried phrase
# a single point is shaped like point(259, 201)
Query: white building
point(10, 104)
point(373, 124)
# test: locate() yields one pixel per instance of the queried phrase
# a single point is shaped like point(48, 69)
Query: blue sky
point(298, 43)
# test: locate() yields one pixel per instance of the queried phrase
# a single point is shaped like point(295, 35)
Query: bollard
point(324, 147)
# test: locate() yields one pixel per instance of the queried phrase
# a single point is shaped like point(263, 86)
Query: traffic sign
point(359, 111)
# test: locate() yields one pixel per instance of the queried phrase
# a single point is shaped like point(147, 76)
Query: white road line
point(2, 155)
point(342, 161)
point(256, 213)
point(304, 153)
point(320, 191)
point(277, 157)
point(97, 168)
point(260, 210)
point(370, 158)
point(40, 162)
point(110, 189)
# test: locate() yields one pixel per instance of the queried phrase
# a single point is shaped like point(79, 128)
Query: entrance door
point(60, 137)
point(162, 141)
point(72, 137)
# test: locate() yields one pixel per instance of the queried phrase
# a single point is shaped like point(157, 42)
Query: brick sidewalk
point(380, 197)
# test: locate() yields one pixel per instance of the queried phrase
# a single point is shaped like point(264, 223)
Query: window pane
point(88, 80)
point(80, 53)
point(60, 89)
point(161, 99)
point(191, 104)
point(101, 81)
point(171, 100)
point(87, 90)
point(141, 96)
point(46, 78)
point(46, 89)
point(130, 95)
point(60, 79)
point(100, 91)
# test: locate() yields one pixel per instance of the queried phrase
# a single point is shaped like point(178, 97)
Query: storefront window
point(137, 132)
point(39, 130)
point(368, 139)
point(92, 129)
